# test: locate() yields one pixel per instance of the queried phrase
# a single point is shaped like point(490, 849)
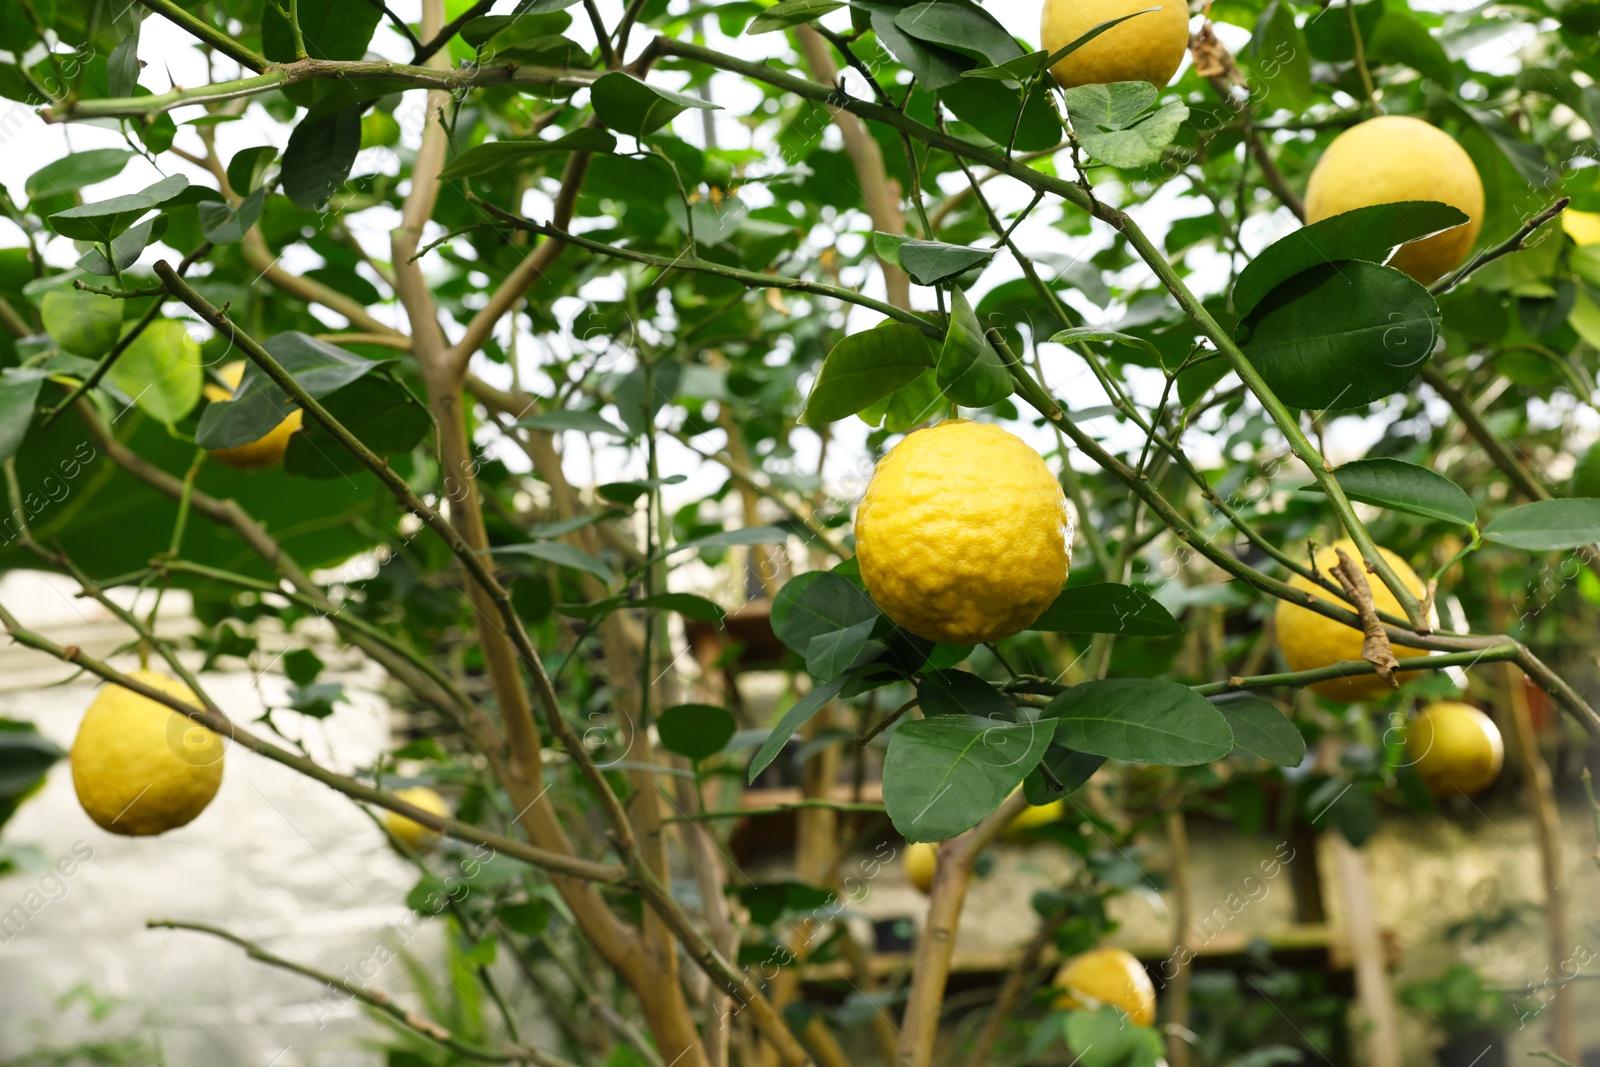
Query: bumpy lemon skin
point(263, 452)
point(1393, 158)
point(140, 768)
point(1147, 48)
point(922, 859)
point(1455, 748)
point(410, 831)
point(1309, 640)
point(1582, 226)
point(963, 535)
point(1107, 976)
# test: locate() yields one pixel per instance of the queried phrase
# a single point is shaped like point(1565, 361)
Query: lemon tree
point(1079, 408)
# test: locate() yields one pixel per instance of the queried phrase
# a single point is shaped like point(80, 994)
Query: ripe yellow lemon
point(1036, 815)
point(1107, 976)
point(1148, 47)
point(410, 831)
point(139, 767)
point(963, 534)
point(264, 451)
point(1394, 158)
point(1309, 640)
point(921, 860)
point(1455, 747)
point(1582, 226)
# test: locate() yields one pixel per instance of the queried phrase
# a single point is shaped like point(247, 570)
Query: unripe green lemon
point(1393, 158)
point(139, 767)
point(963, 535)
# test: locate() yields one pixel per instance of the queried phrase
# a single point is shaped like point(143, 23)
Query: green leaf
point(19, 392)
point(1260, 729)
point(1341, 335)
point(85, 324)
point(1367, 233)
point(960, 693)
point(321, 150)
point(816, 603)
point(796, 717)
point(1400, 38)
point(25, 756)
point(160, 370)
point(1400, 486)
point(248, 166)
point(225, 225)
point(484, 158)
point(791, 13)
point(992, 109)
point(828, 655)
point(503, 33)
point(76, 170)
point(626, 493)
point(581, 421)
point(1085, 334)
point(1107, 608)
point(1141, 720)
point(1111, 106)
point(530, 918)
point(865, 367)
point(970, 371)
point(1103, 1038)
point(628, 105)
point(1547, 525)
point(944, 775)
point(960, 26)
point(379, 411)
point(108, 218)
point(560, 554)
point(301, 666)
point(1016, 71)
point(1280, 58)
point(695, 731)
point(689, 605)
point(930, 262)
point(1072, 770)
point(1140, 144)
point(744, 535)
point(126, 248)
point(258, 403)
point(933, 67)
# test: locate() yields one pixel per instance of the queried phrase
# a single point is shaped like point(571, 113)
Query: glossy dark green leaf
point(1085, 334)
point(489, 157)
point(122, 65)
point(25, 756)
point(628, 105)
point(831, 654)
point(796, 717)
point(959, 693)
point(1107, 608)
point(581, 421)
point(1280, 59)
point(382, 414)
point(126, 248)
point(248, 166)
point(1400, 38)
point(1367, 233)
point(960, 26)
point(1400, 486)
point(1016, 71)
point(970, 371)
point(816, 603)
point(1072, 770)
point(321, 150)
point(944, 775)
point(689, 605)
point(791, 13)
point(258, 403)
point(1260, 729)
point(991, 108)
point(695, 731)
point(1547, 525)
point(1341, 335)
point(1141, 720)
point(865, 367)
point(933, 66)
point(106, 219)
point(930, 262)
point(225, 225)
